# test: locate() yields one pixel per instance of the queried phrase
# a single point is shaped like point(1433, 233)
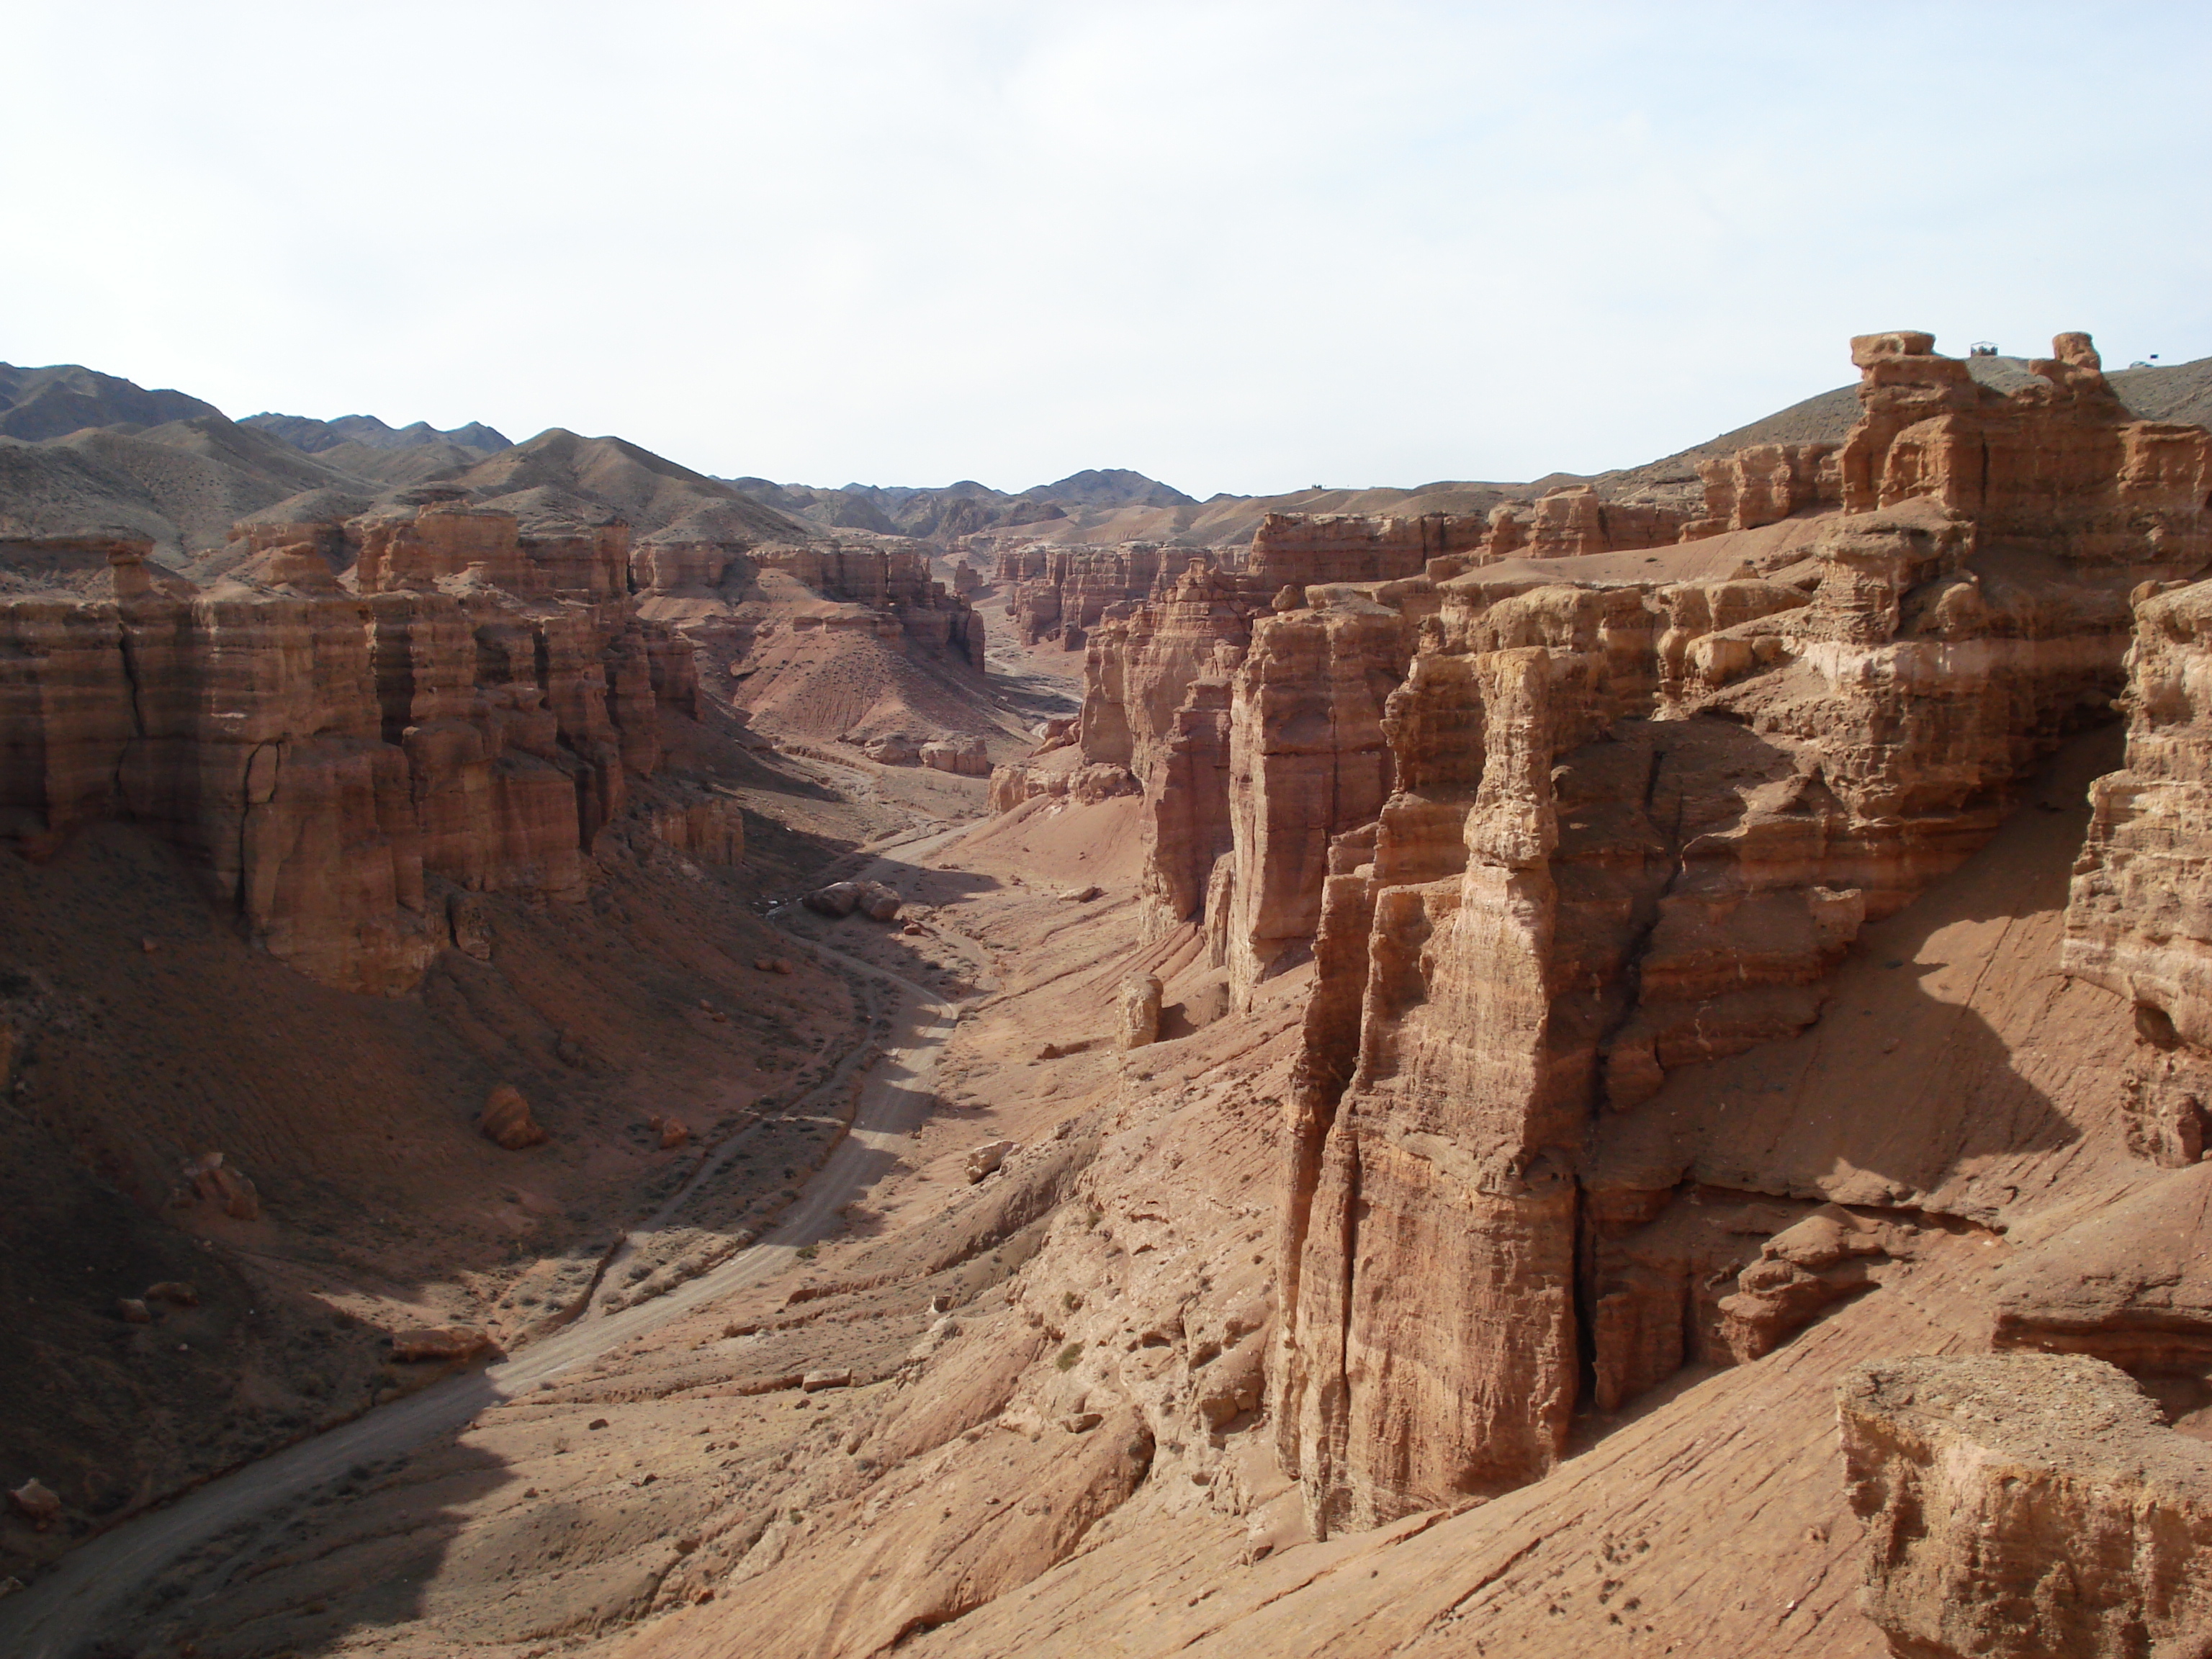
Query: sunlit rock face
point(1633, 826)
point(323, 753)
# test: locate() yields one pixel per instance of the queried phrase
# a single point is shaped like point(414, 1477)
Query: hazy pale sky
point(1243, 247)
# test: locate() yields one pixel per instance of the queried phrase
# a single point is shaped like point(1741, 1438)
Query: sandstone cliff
point(1617, 895)
point(470, 712)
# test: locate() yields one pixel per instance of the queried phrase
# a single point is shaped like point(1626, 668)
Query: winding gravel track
point(68, 1608)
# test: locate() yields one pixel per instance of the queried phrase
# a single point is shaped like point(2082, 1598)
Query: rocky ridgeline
point(467, 711)
point(1550, 829)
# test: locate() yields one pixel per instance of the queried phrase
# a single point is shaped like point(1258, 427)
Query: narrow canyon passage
point(99, 1582)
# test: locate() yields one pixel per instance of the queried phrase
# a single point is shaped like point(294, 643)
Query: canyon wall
point(473, 715)
point(2139, 919)
point(1059, 593)
point(895, 581)
point(1667, 810)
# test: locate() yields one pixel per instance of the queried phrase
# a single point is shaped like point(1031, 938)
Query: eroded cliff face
point(1639, 823)
point(337, 760)
point(2140, 921)
point(2026, 1504)
point(1059, 593)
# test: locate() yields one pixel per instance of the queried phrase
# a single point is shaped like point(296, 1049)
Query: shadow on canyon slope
point(138, 1030)
point(1953, 1066)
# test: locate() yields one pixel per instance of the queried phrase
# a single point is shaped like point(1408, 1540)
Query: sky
point(1237, 245)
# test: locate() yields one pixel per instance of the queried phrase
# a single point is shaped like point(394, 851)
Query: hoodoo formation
point(603, 1061)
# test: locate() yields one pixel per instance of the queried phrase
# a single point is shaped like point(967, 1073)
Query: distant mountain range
point(303, 432)
point(53, 402)
point(83, 451)
point(92, 451)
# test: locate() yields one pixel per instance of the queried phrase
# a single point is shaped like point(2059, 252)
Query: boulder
point(839, 898)
point(174, 1291)
point(437, 1342)
point(1139, 1008)
point(2021, 1505)
point(893, 749)
point(879, 902)
point(1078, 895)
point(470, 923)
point(814, 1382)
point(986, 1159)
point(507, 1121)
point(35, 1503)
point(213, 1181)
point(134, 1311)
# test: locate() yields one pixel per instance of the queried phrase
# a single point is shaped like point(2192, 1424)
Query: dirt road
point(74, 1604)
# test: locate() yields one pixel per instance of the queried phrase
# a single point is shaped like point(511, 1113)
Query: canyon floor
point(958, 1418)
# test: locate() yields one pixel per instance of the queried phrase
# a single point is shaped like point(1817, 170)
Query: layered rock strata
point(1634, 827)
point(2020, 1505)
point(324, 754)
point(1059, 593)
point(2139, 921)
point(894, 583)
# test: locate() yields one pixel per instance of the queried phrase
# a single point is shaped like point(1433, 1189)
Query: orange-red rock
point(507, 1121)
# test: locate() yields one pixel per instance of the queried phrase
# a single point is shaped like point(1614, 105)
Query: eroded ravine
point(71, 1605)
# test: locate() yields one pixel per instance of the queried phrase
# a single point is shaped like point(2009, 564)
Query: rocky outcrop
point(212, 1179)
point(2061, 462)
point(507, 1121)
point(1634, 827)
point(323, 755)
point(1763, 483)
point(1141, 662)
point(1574, 520)
point(967, 756)
point(2021, 1505)
point(1307, 760)
point(1084, 786)
point(1297, 549)
point(2130, 1285)
point(2139, 920)
point(417, 548)
point(1137, 1011)
point(895, 583)
point(1058, 593)
point(712, 831)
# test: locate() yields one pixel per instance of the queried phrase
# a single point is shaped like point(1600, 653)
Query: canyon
point(603, 1061)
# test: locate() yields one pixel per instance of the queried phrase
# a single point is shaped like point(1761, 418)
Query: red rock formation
point(2022, 1505)
point(1568, 522)
point(712, 831)
point(1566, 899)
point(1307, 760)
point(2140, 918)
point(2130, 1285)
point(2061, 462)
point(1141, 662)
point(1297, 549)
point(1763, 483)
point(321, 754)
point(965, 755)
point(896, 582)
point(506, 1120)
point(1064, 591)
